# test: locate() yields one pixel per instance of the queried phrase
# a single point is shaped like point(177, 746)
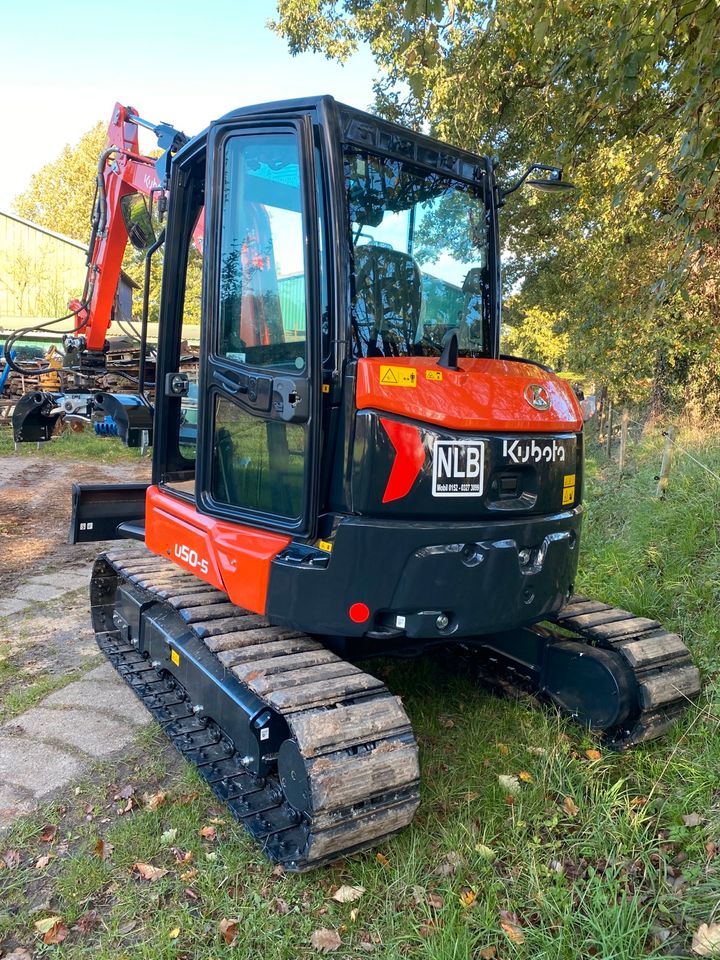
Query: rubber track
point(666, 678)
point(354, 736)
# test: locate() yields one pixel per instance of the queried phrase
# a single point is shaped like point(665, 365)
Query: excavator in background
point(363, 474)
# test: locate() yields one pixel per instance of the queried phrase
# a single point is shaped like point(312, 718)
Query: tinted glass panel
point(262, 265)
point(258, 464)
point(419, 244)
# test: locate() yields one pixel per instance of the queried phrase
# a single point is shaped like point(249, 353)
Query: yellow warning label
point(569, 480)
point(175, 657)
point(433, 374)
point(398, 376)
point(326, 388)
point(325, 545)
point(568, 495)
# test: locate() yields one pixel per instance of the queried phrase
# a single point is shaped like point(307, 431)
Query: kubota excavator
point(363, 474)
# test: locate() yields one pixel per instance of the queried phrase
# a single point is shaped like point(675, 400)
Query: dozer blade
point(621, 675)
point(314, 756)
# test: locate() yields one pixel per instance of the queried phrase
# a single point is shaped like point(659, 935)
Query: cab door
point(261, 377)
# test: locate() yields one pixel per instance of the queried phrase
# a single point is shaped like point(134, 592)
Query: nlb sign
point(458, 468)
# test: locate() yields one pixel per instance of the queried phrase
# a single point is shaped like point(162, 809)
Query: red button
point(359, 612)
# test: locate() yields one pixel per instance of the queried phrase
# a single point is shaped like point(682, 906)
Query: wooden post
point(666, 463)
point(601, 421)
point(608, 435)
point(623, 439)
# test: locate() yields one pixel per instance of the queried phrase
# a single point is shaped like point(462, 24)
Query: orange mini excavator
point(350, 468)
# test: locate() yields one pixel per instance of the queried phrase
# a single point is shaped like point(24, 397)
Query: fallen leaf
point(692, 819)
point(153, 801)
point(425, 930)
point(382, 859)
point(174, 933)
point(510, 783)
point(487, 953)
point(88, 922)
point(487, 853)
point(450, 864)
point(711, 849)
point(126, 792)
point(56, 933)
point(11, 859)
point(185, 798)
point(19, 953)
point(326, 941)
point(525, 776)
point(593, 754)
point(435, 901)
point(354, 914)
point(103, 849)
point(148, 872)
point(513, 931)
point(208, 833)
point(570, 807)
point(278, 871)
point(127, 927)
point(47, 923)
point(188, 875)
point(366, 946)
point(48, 833)
point(503, 749)
point(278, 905)
point(182, 856)
point(228, 930)
point(217, 820)
point(446, 722)
point(706, 940)
point(467, 897)
point(167, 837)
point(346, 894)
point(42, 862)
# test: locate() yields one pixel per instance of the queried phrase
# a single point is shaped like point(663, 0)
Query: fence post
point(666, 463)
point(608, 436)
point(623, 439)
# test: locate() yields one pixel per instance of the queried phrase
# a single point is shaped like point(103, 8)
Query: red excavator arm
point(122, 172)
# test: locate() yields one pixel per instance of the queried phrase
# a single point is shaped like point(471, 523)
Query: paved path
point(50, 745)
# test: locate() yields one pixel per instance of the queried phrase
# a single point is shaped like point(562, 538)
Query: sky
point(63, 66)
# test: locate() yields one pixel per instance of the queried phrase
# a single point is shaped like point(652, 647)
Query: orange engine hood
point(482, 395)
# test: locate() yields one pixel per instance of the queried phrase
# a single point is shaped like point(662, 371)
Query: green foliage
point(60, 194)
point(627, 97)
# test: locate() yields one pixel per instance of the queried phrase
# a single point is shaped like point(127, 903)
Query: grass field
point(585, 854)
point(84, 445)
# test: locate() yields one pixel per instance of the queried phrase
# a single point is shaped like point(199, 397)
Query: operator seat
point(388, 294)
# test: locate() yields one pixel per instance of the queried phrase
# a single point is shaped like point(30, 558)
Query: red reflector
point(359, 612)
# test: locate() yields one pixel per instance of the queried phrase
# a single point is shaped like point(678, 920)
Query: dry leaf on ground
point(48, 833)
point(47, 923)
point(450, 864)
point(487, 953)
point(525, 776)
point(20, 953)
point(692, 819)
point(593, 754)
point(347, 894)
point(42, 862)
point(706, 940)
point(208, 833)
point(326, 941)
point(570, 807)
point(510, 783)
point(148, 872)
point(174, 933)
point(153, 801)
point(435, 901)
point(513, 931)
point(228, 930)
point(467, 897)
point(382, 859)
point(88, 922)
point(103, 849)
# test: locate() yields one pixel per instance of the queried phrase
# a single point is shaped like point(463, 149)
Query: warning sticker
point(175, 657)
point(433, 374)
point(398, 376)
point(325, 545)
point(458, 468)
point(568, 489)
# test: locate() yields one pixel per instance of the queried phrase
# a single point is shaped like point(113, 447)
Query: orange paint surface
point(481, 395)
point(229, 556)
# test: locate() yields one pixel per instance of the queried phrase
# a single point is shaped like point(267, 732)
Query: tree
point(627, 97)
point(60, 195)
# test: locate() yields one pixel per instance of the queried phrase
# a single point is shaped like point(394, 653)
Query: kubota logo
point(537, 396)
